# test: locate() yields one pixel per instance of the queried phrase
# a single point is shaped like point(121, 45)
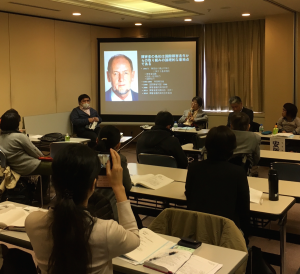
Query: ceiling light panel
point(135, 8)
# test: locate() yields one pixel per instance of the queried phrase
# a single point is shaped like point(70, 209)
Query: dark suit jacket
point(135, 95)
point(248, 111)
point(219, 188)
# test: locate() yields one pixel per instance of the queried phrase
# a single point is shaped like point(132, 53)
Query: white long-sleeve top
point(108, 238)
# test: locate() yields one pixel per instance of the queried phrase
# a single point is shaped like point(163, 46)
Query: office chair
point(287, 171)
point(3, 164)
point(243, 160)
point(157, 160)
point(203, 227)
point(254, 127)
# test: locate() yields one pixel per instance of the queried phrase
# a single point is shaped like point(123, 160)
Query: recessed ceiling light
point(199, 0)
point(246, 14)
point(188, 19)
point(138, 24)
point(76, 13)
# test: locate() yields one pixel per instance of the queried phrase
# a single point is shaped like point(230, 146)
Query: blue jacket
point(135, 95)
point(80, 119)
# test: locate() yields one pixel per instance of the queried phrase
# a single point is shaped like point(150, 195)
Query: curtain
point(234, 64)
point(183, 32)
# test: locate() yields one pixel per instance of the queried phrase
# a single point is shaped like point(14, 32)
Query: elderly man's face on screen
point(120, 76)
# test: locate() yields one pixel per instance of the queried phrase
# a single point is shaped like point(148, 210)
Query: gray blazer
point(201, 117)
point(249, 143)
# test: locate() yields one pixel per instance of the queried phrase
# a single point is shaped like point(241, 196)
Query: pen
point(156, 258)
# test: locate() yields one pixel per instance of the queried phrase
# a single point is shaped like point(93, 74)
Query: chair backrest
point(157, 160)
point(55, 147)
point(242, 159)
point(254, 127)
point(287, 171)
point(2, 159)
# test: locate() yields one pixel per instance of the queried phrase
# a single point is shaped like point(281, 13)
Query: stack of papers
point(181, 262)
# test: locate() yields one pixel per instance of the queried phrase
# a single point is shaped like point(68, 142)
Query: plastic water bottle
point(175, 125)
point(273, 185)
point(261, 128)
point(67, 138)
point(275, 130)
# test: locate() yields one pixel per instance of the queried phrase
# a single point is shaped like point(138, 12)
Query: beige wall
point(278, 66)
point(4, 64)
point(298, 64)
point(45, 64)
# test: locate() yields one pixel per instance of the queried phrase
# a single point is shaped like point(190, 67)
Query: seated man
point(237, 106)
point(160, 140)
point(216, 186)
point(82, 117)
point(247, 142)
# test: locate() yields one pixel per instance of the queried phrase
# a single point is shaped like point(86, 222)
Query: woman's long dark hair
point(109, 137)
point(74, 170)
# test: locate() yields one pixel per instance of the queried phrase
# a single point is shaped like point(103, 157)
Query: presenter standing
point(120, 74)
point(194, 116)
point(86, 120)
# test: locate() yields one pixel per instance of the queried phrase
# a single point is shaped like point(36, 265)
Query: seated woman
point(194, 116)
point(109, 138)
point(22, 156)
point(289, 122)
point(67, 239)
point(216, 186)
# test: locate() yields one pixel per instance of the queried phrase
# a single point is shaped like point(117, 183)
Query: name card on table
point(277, 143)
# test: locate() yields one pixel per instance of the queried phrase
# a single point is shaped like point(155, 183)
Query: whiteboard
point(48, 123)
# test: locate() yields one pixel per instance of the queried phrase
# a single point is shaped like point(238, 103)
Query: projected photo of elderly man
point(120, 74)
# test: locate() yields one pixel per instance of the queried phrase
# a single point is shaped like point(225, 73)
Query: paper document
point(169, 261)
point(255, 196)
point(93, 125)
point(199, 265)
point(150, 243)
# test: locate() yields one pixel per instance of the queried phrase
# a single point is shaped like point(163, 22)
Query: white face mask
point(85, 105)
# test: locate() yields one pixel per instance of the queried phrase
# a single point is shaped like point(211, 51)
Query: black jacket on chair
point(219, 188)
point(160, 140)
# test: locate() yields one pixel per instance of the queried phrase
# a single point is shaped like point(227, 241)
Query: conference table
point(177, 174)
point(230, 258)
point(35, 138)
point(266, 156)
point(200, 132)
point(173, 195)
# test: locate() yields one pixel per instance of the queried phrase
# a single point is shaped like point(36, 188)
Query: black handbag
point(52, 137)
